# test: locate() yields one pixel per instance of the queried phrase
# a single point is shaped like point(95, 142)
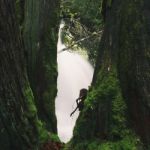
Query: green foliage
point(109, 90)
point(31, 108)
point(44, 135)
point(93, 145)
point(105, 108)
point(42, 132)
point(40, 38)
point(54, 137)
point(118, 127)
point(107, 86)
point(79, 146)
point(31, 113)
point(130, 142)
point(88, 12)
point(104, 96)
point(83, 19)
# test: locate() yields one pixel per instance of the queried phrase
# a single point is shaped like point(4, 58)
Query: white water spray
point(74, 73)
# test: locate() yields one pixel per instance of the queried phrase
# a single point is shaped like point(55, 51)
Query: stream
point(74, 73)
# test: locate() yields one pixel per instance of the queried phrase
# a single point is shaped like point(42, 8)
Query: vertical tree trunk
point(19, 125)
point(40, 33)
point(122, 76)
point(134, 64)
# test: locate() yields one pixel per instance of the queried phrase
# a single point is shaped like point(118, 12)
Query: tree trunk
point(122, 76)
point(40, 36)
point(134, 64)
point(18, 116)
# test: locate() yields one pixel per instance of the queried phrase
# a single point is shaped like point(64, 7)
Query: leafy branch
point(82, 39)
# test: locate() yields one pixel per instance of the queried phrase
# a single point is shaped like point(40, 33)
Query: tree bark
point(40, 36)
point(122, 75)
point(18, 116)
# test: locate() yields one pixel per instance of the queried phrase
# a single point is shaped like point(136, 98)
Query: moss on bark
point(40, 36)
point(117, 107)
point(20, 126)
point(20, 129)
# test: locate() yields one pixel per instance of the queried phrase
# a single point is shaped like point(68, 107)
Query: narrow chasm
point(74, 73)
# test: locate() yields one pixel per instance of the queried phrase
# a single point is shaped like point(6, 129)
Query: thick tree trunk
point(122, 76)
point(134, 64)
point(19, 125)
point(40, 34)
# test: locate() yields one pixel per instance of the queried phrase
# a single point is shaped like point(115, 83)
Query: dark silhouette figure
point(80, 101)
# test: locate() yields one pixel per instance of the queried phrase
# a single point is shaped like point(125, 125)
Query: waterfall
point(74, 73)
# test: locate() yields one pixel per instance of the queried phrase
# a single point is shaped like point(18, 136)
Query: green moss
point(40, 37)
point(93, 145)
point(105, 94)
point(129, 142)
point(31, 112)
point(79, 146)
point(105, 108)
point(105, 99)
point(54, 137)
point(42, 132)
point(107, 86)
point(118, 126)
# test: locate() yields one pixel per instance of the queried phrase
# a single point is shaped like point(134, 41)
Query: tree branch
point(81, 40)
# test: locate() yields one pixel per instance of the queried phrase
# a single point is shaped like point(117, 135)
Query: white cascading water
point(74, 73)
